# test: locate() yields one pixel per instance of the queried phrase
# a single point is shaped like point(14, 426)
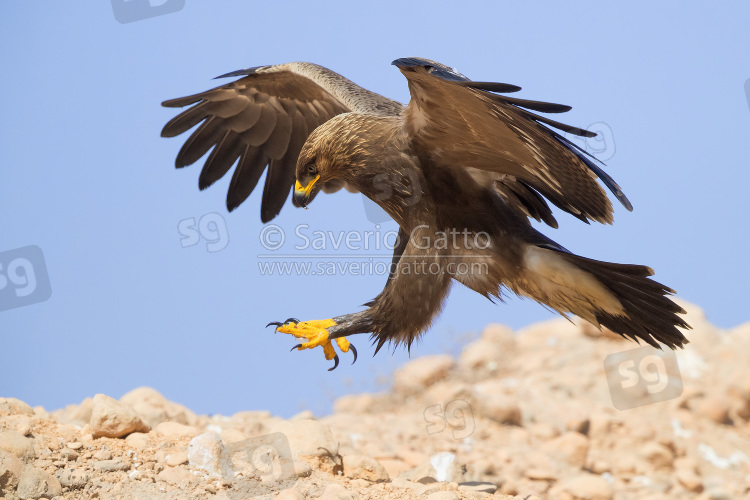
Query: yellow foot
point(316, 333)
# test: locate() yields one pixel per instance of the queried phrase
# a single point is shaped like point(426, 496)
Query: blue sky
point(137, 298)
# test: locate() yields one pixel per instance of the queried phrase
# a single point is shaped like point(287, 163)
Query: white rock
point(207, 452)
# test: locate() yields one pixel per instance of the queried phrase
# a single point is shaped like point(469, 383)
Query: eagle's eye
point(311, 170)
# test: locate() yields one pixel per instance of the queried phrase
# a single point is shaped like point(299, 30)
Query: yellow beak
point(300, 191)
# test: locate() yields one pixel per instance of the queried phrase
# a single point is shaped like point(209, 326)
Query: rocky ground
point(524, 415)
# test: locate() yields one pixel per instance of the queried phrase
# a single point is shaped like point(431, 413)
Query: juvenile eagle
point(460, 164)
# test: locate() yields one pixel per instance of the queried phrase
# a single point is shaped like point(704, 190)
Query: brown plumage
point(460, 163)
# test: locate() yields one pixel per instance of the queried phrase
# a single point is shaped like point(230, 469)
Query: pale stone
point(178, 458)
point(657, 455)
point(290, 494)
point(207, 452)
point(173, 430)
point(494, 404)
point(177, 476)
point(571, 447)
point(111, 465)
point(421, 373)
point(308, 438)
point(36, 483)
point(156, 409)
point(13, 406)
point(11, 468)
point(110, 418)
point(16, 444)
point(363, 467)
point(585, 486)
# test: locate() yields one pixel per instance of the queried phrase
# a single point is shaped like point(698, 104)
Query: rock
point(73, 478)
point(75, 414)
point(421, 373)
point(156, 409)
point(492, 403)
point(110, 418)
point(138, 440)
point(363, 467)
point(11, 468)
point(15, 444)
point(335, 492)
point(13, 406)
point(715, 408)
point(478, 486)
point(22, 424)
point(111, 465)
point(493, 350)
point(75, 445)
point(177, 476)
point(207, 452)
point(442, 467)
point(36, 483)
point(394, 467)
point(173, 430)
point(308, 438)
point(585, 486)
point(571, 447)
point(657, 455)
point(689, 480)
point(290, 494)
point(178, 458)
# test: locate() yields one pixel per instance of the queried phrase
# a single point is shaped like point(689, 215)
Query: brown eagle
point(461, 169)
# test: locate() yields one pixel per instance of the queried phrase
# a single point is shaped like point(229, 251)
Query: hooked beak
point(302, 193)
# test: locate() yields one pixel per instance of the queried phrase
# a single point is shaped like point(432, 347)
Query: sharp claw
point(275, 323)
point(354, 351)
point(335, 361)
point(295, 347)
point(291, 320)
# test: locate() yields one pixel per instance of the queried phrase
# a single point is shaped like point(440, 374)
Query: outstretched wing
point(455, 122)
point(264, 119)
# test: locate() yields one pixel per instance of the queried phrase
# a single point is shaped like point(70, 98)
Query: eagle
point(462, 169)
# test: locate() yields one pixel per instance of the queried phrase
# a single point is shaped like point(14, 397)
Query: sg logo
point(457, 415)
point(23, 278)
point(127, 11)
point(267, 458)
point(211, 226)
point(642, 376)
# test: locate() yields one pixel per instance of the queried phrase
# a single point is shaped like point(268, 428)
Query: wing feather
point(263, 119)
point(457, 124)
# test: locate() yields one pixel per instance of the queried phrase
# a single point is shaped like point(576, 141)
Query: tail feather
point(649, 314)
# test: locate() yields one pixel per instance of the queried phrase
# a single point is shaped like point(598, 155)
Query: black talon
point(354, 351)
point(295, 347)
point(275, 323)
point(291, 320)
point(336, 361)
